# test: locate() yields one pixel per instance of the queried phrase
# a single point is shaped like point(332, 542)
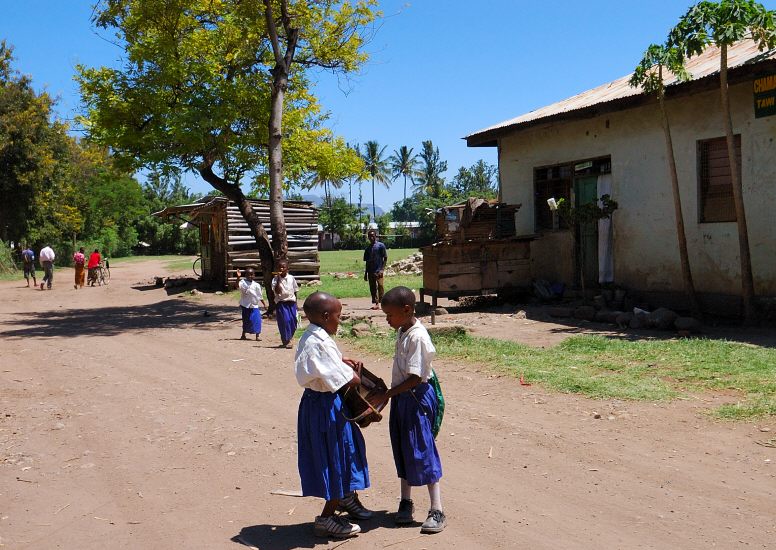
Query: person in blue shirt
point(375, 256)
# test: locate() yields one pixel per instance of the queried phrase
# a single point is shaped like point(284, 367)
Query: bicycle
point(103, 272)
point(197, 266)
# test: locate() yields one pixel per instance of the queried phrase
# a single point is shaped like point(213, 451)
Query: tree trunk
point(747, 280)
point(235, 194)
point(374, 208)
point(689, 286)
point(405, 187)
point(276, 218)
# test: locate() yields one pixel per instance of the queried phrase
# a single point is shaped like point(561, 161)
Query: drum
point(358, 399)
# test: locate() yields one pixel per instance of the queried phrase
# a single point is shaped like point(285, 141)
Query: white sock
point(435, 495)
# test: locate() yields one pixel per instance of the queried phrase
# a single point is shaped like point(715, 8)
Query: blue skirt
point(286, 316)
point(251, 319)
point(414, 450)
point(332, 453)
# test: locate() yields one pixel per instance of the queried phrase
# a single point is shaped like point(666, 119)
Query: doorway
point(586, 191)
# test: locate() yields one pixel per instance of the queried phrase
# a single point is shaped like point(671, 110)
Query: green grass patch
point(600, 367)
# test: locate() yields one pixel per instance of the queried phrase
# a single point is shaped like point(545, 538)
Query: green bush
point(7, 263)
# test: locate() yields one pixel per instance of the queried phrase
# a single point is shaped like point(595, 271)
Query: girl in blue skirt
point(332, 454)
point(285, 288)
point(414, 407)
point(250, 298)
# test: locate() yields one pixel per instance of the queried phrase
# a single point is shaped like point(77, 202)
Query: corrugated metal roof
point(701, 66)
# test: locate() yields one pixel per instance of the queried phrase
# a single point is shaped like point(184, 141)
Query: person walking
point(28, 259)
point(375, 256)
point(79, 258)
point(93, 266)
point(47, 258)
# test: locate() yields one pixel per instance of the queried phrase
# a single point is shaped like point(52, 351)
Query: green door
point(586, 191)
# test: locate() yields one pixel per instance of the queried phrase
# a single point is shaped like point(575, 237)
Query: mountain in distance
point(317, 201)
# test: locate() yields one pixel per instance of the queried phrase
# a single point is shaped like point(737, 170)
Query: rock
point(623, 320)
point(440, 311)
point(448, 331)
point(159, 281)
point(219, 293)
point(422, 308)
point(520, 314)
point(195, 292)
point(360, 330)
point(662, 318)
point(608, 316)
point(585, 312)
point(688, 324)
point(314, 282)
point(638, 321)
point(600, 302)
point(559, 311)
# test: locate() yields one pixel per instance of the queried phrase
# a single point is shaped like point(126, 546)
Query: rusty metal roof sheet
point(701, 66)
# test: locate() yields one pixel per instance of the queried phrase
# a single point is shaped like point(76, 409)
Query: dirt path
point(130, 419)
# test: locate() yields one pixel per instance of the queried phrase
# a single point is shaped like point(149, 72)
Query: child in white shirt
point(285, 288)
point(250, 298)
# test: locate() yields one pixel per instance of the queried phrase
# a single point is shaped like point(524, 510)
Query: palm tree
point(430, 174)
point(649, 75)
point(377, 167)
point(404, 163)
point(723, 24)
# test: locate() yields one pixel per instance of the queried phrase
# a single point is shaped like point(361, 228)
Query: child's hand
point(353, 364)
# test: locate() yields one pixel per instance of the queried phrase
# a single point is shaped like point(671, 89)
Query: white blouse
point(414, 353)
point(318, 364)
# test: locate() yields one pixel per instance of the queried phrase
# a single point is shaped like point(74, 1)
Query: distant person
point(79, 259)
point(250, 298)
point(93, 266)
point(47, 258)
point(375, 256)
point(331, 450)
point(28, 263)
point(285, 288)
point(414, 410)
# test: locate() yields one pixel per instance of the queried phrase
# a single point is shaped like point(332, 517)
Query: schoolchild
point(285, 288)
point(414, 407)
point(332, 454)
point(250, 298)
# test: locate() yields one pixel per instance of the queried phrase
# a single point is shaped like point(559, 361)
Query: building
point(226, 242)
point(610, 140)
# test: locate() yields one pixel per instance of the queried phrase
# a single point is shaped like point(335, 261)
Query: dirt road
point(130, 419)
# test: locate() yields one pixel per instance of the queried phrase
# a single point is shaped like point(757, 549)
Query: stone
point(448, 331)
point(662, 318)
point(623, 319)
point(360, 330)
point(440, 311)
point(638, 321)
point(314, 282)
point(422, 308)
point(606, 316)
point(688, 324)
point(521, 314)
point(219, 292)
point(585, 312)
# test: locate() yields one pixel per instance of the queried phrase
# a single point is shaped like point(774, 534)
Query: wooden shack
point(226, 242)
point(476, 252)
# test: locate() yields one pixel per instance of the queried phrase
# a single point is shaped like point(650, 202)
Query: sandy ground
point(130, 419)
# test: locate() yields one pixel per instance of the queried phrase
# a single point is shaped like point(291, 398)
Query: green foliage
point(649, 72)
point(405, 164)
point(7, 263)
point(588, 212)
point(376, 167)
point(429, 175)
point(476, 181)
point(339, 217)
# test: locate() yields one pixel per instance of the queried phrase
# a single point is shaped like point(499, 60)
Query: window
point(714, 181)
point(552, 182)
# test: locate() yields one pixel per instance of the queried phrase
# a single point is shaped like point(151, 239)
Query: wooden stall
point(476, 253)
point(226, 242)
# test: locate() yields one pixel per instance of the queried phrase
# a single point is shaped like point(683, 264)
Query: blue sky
point(439, 69)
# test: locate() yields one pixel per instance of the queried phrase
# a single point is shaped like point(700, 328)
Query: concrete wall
point(646, 253)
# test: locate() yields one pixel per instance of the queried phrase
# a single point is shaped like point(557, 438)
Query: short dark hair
point(282, 261)
point(371, 231)
point(318, 302)
point(399, 296)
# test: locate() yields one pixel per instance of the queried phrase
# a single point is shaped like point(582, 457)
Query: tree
point(377, 167)
point(723, 24)
point(405, 164)
point(431, 169)
point(303, 34)
point(477, 181)
point(339, 217)
point(201, 85)
point(649, 76)
point(330, 166)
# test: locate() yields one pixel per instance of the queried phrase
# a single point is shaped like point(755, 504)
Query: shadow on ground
point(287, 537)
point(108, 321)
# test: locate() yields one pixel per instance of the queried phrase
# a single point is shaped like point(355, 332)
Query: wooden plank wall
point(302, 229)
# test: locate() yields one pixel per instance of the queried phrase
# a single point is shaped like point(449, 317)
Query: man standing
point(47, 257)
point(375, 256)
point(28, 259)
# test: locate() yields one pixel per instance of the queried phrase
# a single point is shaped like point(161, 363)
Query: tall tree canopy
point(431, 169)
point(199, 82)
